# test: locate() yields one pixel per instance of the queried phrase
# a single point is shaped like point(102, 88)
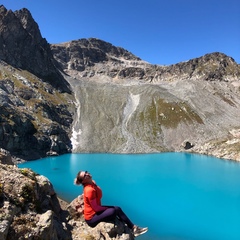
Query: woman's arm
point(95, 206)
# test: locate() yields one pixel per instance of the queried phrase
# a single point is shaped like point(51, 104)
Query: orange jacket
point(92, 197)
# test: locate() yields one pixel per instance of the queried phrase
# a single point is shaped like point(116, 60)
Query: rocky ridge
point(29, 207)
point(94, 59)
point(35, 118)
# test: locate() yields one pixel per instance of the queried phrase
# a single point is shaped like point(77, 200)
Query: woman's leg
point(109, 215)
point(122, 216)
point(105, 216)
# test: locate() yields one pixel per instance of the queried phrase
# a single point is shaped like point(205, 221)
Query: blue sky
point(158, 31)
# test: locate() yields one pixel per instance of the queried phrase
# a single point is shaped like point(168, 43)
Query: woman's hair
point(78, 179)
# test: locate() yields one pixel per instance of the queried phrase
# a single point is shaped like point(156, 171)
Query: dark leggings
point(109, 215)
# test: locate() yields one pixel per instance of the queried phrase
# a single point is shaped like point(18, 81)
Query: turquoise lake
point(178, 196)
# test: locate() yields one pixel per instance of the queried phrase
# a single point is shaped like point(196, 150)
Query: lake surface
point(178, 196)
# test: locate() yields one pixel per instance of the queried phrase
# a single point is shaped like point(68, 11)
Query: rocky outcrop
point(210, 67)
point(82, 54)
point(94, 59)
point(30, 209)
point(107, 231)
point(5, 157)
point(35, 117)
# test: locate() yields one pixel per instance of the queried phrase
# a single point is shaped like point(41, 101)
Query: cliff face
point(34, 97)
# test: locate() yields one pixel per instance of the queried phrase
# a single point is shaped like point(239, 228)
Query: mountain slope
point(127, 105)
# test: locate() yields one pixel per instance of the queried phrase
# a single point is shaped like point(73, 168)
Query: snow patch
point(76, 130)
point(131, 106)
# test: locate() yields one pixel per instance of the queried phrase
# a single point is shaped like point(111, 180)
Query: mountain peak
point(22, 46)
point(28, 23)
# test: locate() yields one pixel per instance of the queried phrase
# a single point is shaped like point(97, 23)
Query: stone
point(76, 207)
point(188, 145)
point(4, 226)
point(5, 157)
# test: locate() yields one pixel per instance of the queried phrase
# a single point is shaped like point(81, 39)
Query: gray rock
point(22, 212)
point(5, 157)
point(32, 125)
point(4, 226)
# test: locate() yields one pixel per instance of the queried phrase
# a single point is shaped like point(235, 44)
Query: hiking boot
point(138, 231)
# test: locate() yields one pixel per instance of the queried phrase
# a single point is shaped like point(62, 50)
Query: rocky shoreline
point(30, 209)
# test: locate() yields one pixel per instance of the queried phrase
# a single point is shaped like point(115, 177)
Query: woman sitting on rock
point(94, 212)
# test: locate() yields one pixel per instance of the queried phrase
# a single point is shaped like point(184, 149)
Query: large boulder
point(29, 207)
